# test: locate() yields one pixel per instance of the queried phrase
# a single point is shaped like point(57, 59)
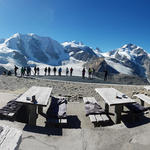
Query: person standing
point(28, 70)
point(93, 72)
point(67, 71)
point(35, 69)
point(90, 73)
point(59, 71)
point(38, 70)
point(54, 69)
point(15, 70)
point(45, 70)
point(22, 71)
point(105, 75)
point(83, 73)
point(49, 71)
point(71, 70)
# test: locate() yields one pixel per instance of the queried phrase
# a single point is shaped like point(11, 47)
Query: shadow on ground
point(43, 130)
point(73, 122)
point(137, 121)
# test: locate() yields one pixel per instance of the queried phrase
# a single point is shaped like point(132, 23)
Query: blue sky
point(107, 24)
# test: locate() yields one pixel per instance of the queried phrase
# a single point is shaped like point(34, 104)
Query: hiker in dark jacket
point(93, 72)
point(15, 70)
point(28, 70)
point(22, 71)
point(105, 75)
point(49, 71)
point(38, 70)
point(45, 70)
point(83, 73)
point(59, 71)
point(54, 69)
point(35, 69)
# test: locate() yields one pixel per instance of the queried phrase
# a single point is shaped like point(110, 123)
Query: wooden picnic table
point(35, 97)
point(113, 97)
point(10, 138)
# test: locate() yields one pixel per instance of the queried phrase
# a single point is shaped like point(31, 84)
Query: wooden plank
point(3, 135)
point(63, 121)
point(98, 118)
point(143, 97)
point(42, 95)
point(105, 118)
point(110, 96)
point(92, 118)
point(10, 138)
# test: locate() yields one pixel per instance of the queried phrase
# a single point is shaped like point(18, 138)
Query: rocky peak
point(129, 46)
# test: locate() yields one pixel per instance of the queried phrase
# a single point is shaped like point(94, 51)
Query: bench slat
point(98, 118)
point(10, 138)
point(105, 118)
point(143, 97)
point(63, 121)
point(92, 118)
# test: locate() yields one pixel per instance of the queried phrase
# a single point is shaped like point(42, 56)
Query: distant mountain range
point(27, 49)
point(129, 59)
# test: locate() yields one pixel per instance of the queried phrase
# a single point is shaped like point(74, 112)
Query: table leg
point(40, 109)
point(32, 115)
point(118, 109)
point(106, 108)
point(142, 102)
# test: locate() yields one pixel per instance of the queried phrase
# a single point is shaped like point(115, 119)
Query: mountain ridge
point(21, 49)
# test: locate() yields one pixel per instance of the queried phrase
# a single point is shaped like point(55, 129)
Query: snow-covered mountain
point(24, 49)
point(129, 59)
point(19, 49)
point(79, 51)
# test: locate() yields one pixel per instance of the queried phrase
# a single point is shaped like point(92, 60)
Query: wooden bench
point(10, 110)
point(10, 138)
point(95, 118)
point(143, 98)
point(136, 110)
point(53, 117)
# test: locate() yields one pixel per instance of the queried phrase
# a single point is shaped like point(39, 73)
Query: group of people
point(91, 72)
point(47, 71)
point(26, 70)
point(36, 70)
